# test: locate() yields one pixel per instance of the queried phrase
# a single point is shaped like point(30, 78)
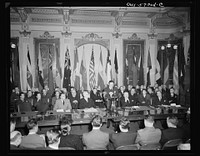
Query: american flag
point(92, 80)
point(175, 74)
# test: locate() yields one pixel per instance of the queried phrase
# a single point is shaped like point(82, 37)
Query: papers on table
point(90, 110)
point(136, 107)
point(59, 110)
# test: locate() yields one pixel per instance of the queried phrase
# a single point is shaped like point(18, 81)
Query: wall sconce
point(13, 45)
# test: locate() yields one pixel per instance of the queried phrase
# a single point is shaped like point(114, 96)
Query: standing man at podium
point(111, 91)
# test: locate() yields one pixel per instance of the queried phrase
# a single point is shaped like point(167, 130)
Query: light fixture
point(168, 45)
point(175, 47)
point(13, 45)
point(162, 47)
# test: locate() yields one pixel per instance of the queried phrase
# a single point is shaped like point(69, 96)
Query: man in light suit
point(62, 103)
point(124, 137)
point(96, 139)
point(32, 140)
point(150, 134)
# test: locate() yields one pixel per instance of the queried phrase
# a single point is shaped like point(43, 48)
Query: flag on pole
point(108, 68)
point(116, 66)
point(92, 80)
point(141, 74)
point(83, 71)
point(40, 72)
point(67, 71)
point(165, 67)
point(101, 72)
point(76, 71)
point(29, 75)
point(149, 66)
point(58, 69)
point(175, 73)
point(126, 65)
point(50, 72)
point(158, 64)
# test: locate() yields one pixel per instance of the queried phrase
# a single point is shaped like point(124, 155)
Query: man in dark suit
point(32, 140)
point(23, 104)
point(124, 137)
point(62, 103)
point(159, 99)
point(96, 139)
point(144, 99)
point(86, 101)
point(74, 98)
point(125, 101)
point(172, 132)
point(13, 99)
point(150, 134)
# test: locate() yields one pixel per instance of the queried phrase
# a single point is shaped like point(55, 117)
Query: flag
point(92, 80)
point(40, 72)
point(116, 66)
point(75, 74)
point(50, 72)
point(101, 72)
point(181, 65)
point(67, 71)
point(141, 74)
point(29, 75)
point(126, 65)
point(175, 73)
point(83, 71)
point(108, 68)
point(187, 72)
point(149, 66)
point(165, 66)
point(58, 69)
point(158, 66)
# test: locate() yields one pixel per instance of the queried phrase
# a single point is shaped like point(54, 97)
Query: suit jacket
point(148, 135)
point(133, 99)
point(41, 106)
point(96, 139)
point(71, 140)
point(123, 138)
point(172, 99)
point(59, 104)
point(74, 101)
point(170, 134)
point(125, 104)
point(24, 105)
point(156, 101)
point(144, 101)
point(32, 141)
point(84, 104)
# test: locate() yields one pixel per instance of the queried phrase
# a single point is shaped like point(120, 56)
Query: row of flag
point(79, 76)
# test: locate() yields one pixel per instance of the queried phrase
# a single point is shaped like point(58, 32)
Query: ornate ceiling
point(163, 17)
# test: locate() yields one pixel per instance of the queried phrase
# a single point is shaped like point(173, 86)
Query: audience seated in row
point(96, 139)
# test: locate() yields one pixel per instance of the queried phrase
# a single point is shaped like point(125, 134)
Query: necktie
point(63, 102)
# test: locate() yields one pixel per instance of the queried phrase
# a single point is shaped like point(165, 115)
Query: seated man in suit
point(144, 99)
point(124, 137)
point(23, 104)
point(62, 103)
point(96, 97)
point(39, 104)
point(172, 132)
point(15, 140)
point(96, 139)
point(74, 98)
point(32, 140)
point(150, 134)
point(67, 139)
point(159, 100)
point(125, 101)
point(86, 101)
point(133, 96)
point(172, 97)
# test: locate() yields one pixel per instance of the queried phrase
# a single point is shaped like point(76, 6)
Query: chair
point(128, 147)
point(66, 148)
point(188, 141)
point(153, 146)
point(172, 144)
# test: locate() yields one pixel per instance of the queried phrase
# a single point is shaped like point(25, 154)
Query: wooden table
point(79, 117)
